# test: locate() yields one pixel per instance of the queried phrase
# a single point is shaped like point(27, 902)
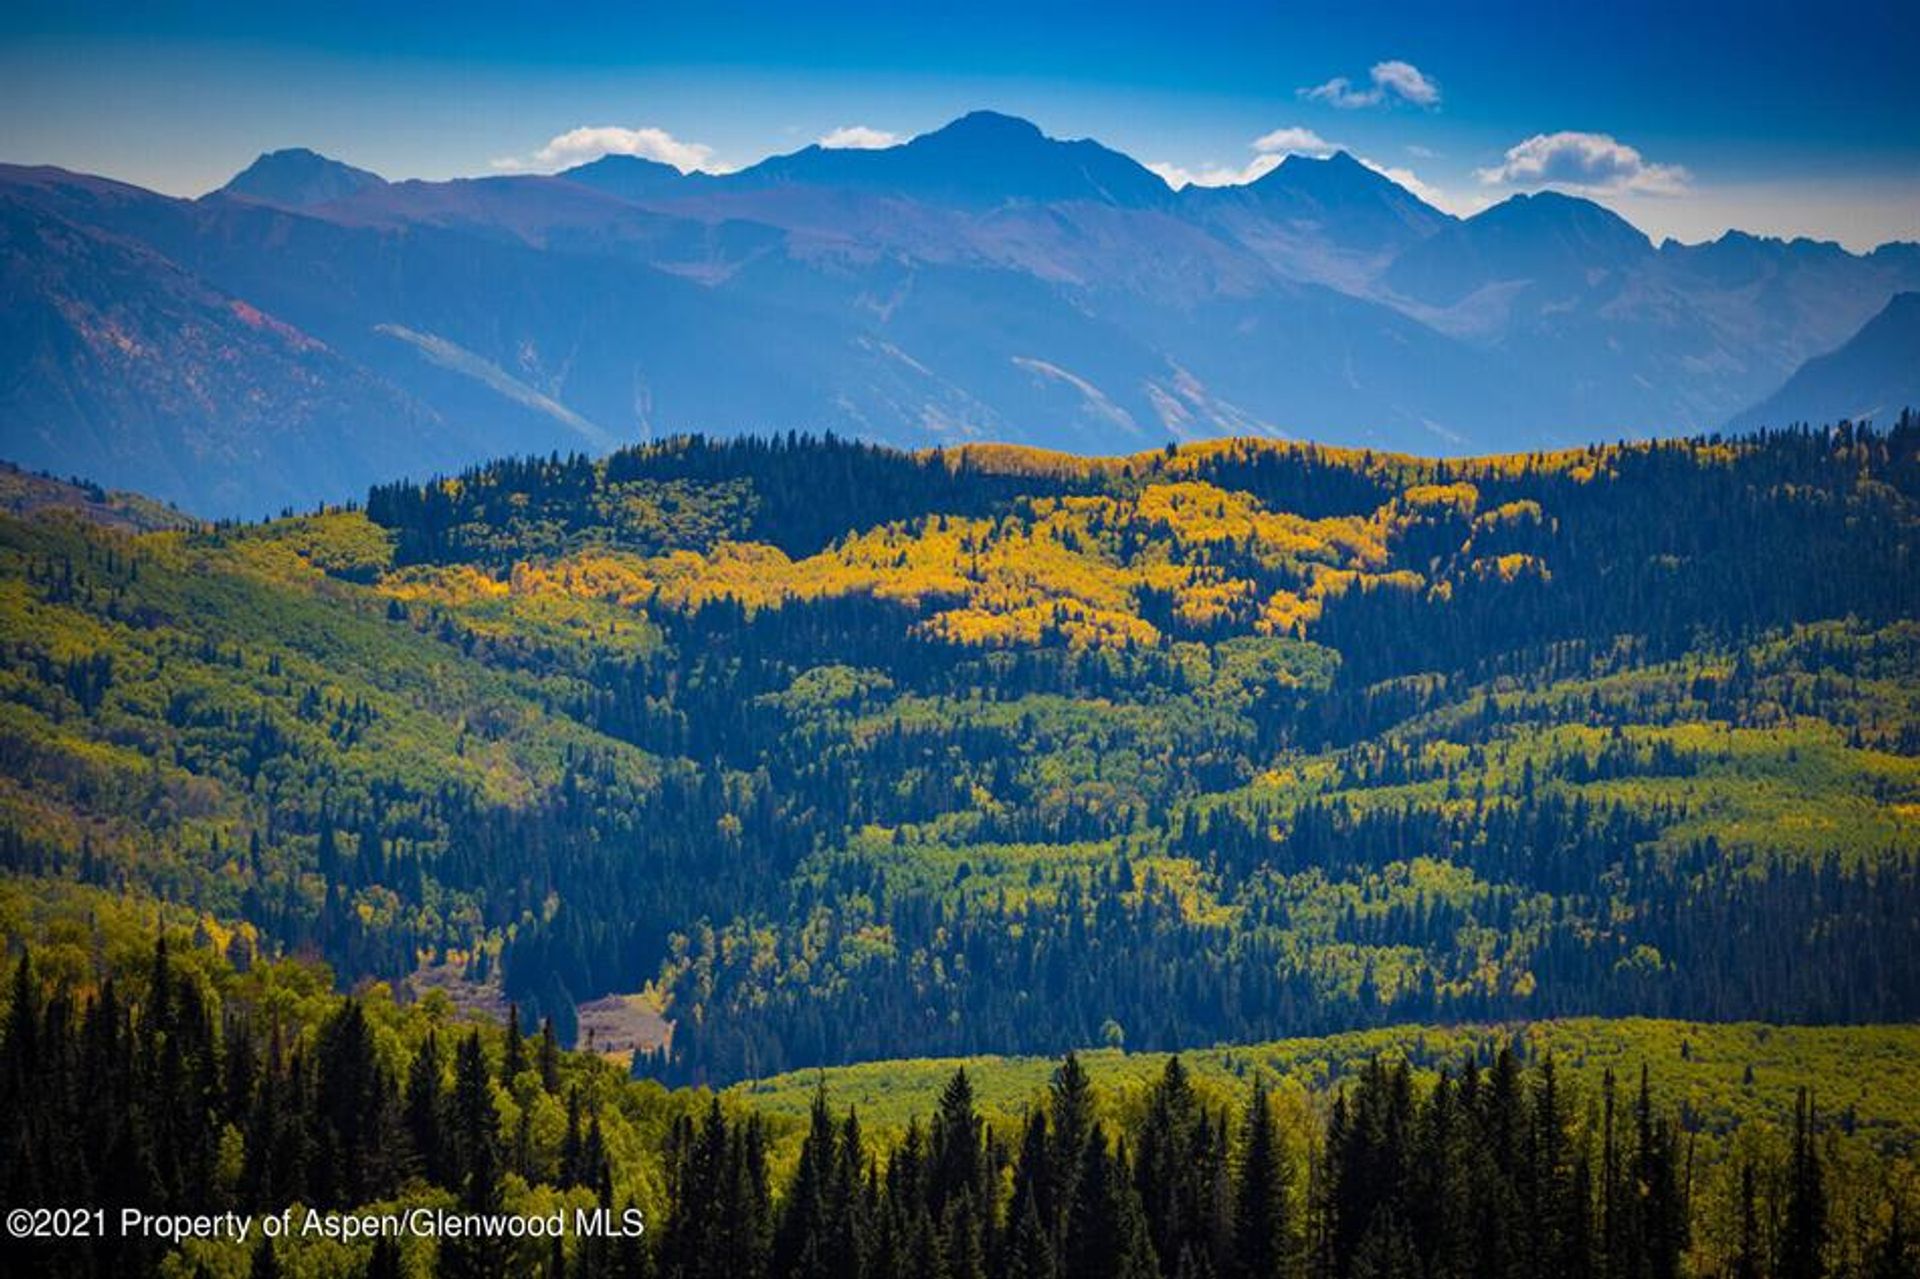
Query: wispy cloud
point(590, 142)
point(1407, 82)
point(859, 137)
point(1438, 198)
point(1389, 82)
point(1594, 162)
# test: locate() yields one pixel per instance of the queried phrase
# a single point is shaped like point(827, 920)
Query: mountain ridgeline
point(841, 753)
point(312, 328)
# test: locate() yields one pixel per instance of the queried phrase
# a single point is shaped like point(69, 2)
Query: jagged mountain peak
point(1336, 169)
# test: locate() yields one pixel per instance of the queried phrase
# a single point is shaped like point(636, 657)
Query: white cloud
point(1294, 141)
point(1216, 175)
point(1391, 81)
point(1585, 162)
point(859, 137)
point(1438, 198)
point(1339, 92)
point(590, 142)
point(1270, 149)
point(1276, 146)
point(1406, 81)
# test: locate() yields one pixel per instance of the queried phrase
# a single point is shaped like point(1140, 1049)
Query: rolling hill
point(1430, 811)
point(848, 753)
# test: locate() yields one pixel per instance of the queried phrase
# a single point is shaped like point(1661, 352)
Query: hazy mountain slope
point(983, 158)
point(1873, 376)
point(1607, 335)
point(116, 364)
point(1550, 242)
point(298, 177)
point(631, 177)
point(1333, 220)
point(981, 281)
point(1076, 326)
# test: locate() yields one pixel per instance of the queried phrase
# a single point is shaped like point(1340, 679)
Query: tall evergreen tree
point(1260, 1217)
point(802, 1244)
point(478, 1164)
point(1803, 1237)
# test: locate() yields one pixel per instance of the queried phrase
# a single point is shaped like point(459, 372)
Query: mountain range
point(312, 327)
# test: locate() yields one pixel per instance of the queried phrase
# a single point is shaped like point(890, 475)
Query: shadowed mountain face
point(983, 281)
point(981, 159)
point(1549, 242)
point(1873, 376)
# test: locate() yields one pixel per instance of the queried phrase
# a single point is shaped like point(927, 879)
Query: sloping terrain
point(850, 753)
point(1872, 377)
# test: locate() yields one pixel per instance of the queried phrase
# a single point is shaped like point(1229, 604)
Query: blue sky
point(1688, 118)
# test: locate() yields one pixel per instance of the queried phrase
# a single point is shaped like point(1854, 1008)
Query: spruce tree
point(548, 1058)
point(1746, 1257)
point(479, 1164)
point(1260, 1207)
point(801, 1246)
point(959, 1164)
point(1804, 1233)
point(513, 1059)
point(1070, 1109)
point(424, 1111)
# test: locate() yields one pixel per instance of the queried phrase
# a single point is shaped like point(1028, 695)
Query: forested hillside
point(850, 754)
point(154, 1074)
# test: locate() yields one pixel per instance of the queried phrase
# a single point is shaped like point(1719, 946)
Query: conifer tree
point(477, 1170)
point(1260, 1224)
point(1746, 1258)
point(513, 1058)
point(850, 1210)
point(549, 1057)
point(1804, 1232)
point(801, 1246)
point(959, 1167)
point(1070, 1110)
point(1660, 1220)
point(1106, 1231)
point(424, 1110)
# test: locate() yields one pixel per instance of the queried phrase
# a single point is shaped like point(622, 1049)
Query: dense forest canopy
point(838, 753)
point(805, 757)
point(213, 1090)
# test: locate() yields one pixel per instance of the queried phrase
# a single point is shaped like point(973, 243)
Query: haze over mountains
point(312, 327)
point(1874, 376)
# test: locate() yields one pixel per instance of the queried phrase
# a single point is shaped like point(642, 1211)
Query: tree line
point(165, 1098)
